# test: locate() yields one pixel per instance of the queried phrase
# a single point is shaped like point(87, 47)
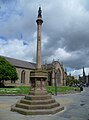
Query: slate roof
point(20, 63)
point(26, 64)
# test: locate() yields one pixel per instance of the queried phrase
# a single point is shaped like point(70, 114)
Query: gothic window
point(23, 76)
point(58, 77)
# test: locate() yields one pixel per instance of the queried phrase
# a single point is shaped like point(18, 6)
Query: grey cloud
point(19, 21)
point(73, 27)
point(66, 25)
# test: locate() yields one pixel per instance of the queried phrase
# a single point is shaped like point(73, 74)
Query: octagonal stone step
point(38, 102)
point(37, 112)
point(35, 107)
point(38, 97)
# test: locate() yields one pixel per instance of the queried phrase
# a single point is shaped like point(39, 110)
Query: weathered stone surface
point(37, 112)
point(37, 105)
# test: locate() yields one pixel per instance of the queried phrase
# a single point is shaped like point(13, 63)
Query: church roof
point(20, 63)
point(26, 64)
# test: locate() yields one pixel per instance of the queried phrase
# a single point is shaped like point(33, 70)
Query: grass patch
point(62, 89)
point(15, 90)
point(20, 90)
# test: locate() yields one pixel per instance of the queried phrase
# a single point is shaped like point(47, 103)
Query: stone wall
point(24, 76)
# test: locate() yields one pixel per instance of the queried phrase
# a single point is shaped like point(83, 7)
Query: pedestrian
point(81, 87)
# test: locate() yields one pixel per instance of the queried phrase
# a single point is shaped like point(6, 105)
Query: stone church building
point(55, 71)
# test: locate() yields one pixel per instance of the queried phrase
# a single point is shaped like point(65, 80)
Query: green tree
point(7, 71)
point(70, 80)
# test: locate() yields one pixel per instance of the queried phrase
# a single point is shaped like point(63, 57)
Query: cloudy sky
point(65, 31)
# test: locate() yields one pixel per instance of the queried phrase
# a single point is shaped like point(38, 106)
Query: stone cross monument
point(38, 101)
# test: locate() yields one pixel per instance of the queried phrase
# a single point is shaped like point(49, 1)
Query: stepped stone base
point(38, 102)
point(37, 105)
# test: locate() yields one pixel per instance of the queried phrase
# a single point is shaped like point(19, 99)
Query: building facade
point(55, 72)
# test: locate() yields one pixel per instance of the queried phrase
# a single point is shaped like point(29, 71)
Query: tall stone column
point(38, 77)
point(39, 22)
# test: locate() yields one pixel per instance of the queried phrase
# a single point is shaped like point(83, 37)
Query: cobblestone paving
point(76, 108)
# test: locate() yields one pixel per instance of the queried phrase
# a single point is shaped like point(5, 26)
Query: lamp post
point(81, 78)
point(55, 78)
point(55, 71)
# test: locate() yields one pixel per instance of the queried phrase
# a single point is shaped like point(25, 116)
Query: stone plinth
point(38, 82)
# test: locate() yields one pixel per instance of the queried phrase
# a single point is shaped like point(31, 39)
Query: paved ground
point(76, 108)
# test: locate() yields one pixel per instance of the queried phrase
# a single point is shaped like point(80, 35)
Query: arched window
point(58, 77)
point(23, 76)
